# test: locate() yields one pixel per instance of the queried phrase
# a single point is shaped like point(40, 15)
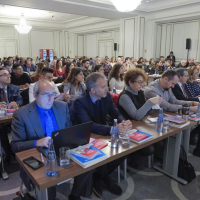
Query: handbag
point(185, 169)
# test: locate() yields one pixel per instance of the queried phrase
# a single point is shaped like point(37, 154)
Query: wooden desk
point(5, 120)
point(152, 78)
point(42, 182)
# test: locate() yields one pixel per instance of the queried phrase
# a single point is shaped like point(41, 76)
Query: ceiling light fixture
point(126, 5)
point(23, 28)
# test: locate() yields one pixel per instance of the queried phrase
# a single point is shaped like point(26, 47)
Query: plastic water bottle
point(51, 161)
point(115, 135)
point(159, 125)
point(114, 90)
point(198, 111)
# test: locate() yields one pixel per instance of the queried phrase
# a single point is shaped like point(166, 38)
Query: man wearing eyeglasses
point(32, 126)
point(9, 98)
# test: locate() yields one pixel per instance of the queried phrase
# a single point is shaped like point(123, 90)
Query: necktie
point(184, 91)
point(3, 95)
point(49, 125)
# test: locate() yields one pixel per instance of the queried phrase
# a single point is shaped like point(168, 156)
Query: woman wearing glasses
point(133, 105)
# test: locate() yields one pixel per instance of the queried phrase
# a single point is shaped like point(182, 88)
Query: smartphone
point(33, 162)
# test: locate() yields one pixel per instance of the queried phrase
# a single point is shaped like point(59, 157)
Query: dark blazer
point(179, 94)
point(27, 127)
point(13, 94)
point(32, 68)
point(84, 112)
point(173, 58)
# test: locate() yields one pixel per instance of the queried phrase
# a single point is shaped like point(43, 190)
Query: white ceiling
point(66, 13)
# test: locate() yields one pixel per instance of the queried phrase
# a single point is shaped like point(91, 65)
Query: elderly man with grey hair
point(95, 106)
point(32, 126)
point(182, 64)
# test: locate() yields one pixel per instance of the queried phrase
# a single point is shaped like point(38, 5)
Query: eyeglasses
point(47, 95)
point(7, 75)
point(140, 82)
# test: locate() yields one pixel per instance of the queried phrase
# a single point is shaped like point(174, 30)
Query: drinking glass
point(64, 157)
point(3, 113)
point(165, 124)
point(124, 136)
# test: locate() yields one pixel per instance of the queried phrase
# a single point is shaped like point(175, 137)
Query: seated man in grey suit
point(32, 126)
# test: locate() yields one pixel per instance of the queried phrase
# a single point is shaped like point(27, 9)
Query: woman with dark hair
point(116, 78)
point(35, 77)
point(74, 84)
point(60, 70)
point(140, 60)
point(68, 68)
point(133, 106)
point(99, 68)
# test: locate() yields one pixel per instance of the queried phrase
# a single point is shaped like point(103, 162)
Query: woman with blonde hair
point(36, 76)
point(116, 78)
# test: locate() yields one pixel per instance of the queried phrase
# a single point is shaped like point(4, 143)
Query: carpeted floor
point(142, 184)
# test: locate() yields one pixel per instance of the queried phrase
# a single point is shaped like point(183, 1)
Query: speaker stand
point(115, 55)
point(187, 55)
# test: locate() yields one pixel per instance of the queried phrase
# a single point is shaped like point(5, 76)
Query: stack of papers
point(84, 161)
point(139, 136)
point(153, 119)
point(179, 125)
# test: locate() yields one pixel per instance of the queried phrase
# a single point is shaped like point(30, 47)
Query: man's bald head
point(44, 93)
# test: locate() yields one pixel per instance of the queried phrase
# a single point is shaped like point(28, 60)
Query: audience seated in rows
point(94, 107)
point(46, 74)
point(20, 78)
point(116, 77)
point(10, 98)
point(192, 85)
point(163, 88)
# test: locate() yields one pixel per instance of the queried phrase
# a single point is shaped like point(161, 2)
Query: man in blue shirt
point(28, 67)
point(32, 126)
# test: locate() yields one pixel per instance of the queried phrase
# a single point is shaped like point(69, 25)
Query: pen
point(42, 159)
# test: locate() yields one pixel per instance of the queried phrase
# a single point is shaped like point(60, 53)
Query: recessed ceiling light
point(147, 1)
point(68, 14)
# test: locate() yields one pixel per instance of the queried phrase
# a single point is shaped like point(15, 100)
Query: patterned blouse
point(193, 89)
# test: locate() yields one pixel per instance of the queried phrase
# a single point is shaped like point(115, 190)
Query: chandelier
point(126, 5)
point(23, 28)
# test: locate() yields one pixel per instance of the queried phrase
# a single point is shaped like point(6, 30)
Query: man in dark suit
point(179, 89)
point(75, 59)
point(172, 57)
point(28, 66)
point(95, 106)
point(9, 97)
point(32, 127)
